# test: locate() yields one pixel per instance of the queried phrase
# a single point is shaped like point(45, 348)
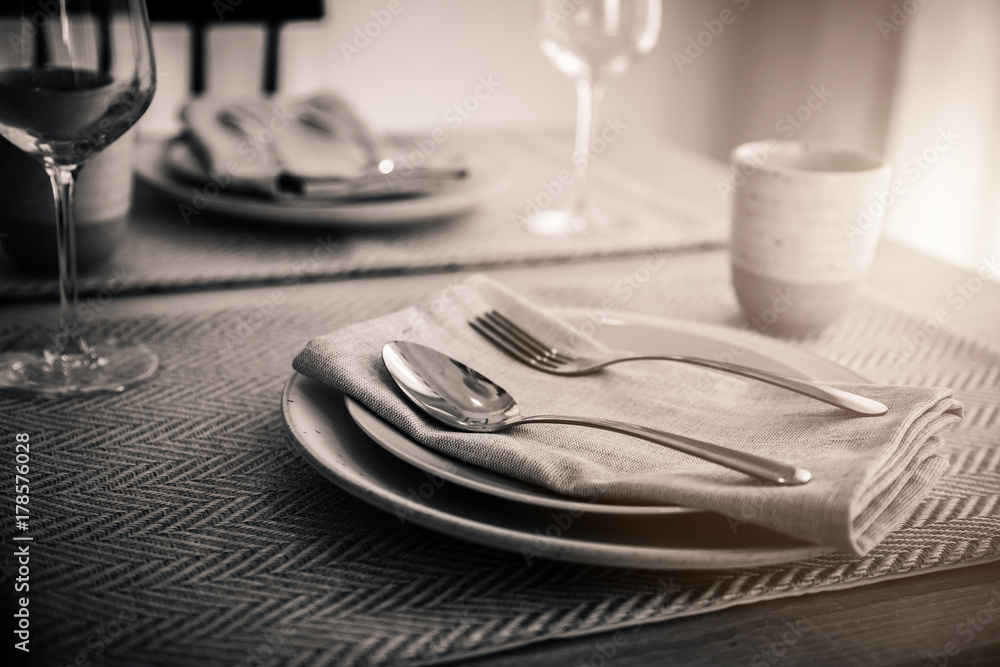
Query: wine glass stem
point(63, 178)
point(588, 101)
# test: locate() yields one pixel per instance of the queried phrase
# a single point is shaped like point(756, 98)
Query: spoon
point(459, 397)
point(332, 114)
point(272, 176)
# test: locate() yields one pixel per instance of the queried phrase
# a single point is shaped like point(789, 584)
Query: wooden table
point(915, 620)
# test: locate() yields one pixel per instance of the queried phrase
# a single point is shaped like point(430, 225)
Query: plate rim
point(150, 169)
point(558, 548)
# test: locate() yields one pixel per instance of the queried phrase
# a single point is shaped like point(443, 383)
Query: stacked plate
point(171, 168)
point(363, 454)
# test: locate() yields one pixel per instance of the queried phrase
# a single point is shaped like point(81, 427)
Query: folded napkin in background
point(869, 473)
point(308, 148)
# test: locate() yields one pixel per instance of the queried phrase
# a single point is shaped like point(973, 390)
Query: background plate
point(485, 179)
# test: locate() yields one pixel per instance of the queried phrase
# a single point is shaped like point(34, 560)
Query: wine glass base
point(106, 368)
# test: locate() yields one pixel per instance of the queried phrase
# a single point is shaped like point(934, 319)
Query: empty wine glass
point(75, 75)
point(590, 41)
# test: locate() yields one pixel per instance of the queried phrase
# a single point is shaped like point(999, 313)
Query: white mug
point(805, 223)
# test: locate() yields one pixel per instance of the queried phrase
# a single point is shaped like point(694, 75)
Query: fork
point(526, 348)
point(372, 183)
point(332, 114)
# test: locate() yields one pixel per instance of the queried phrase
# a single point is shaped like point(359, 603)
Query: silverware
point(331, 113)
point(526, 348)
point(366, 185)
point(462, 398)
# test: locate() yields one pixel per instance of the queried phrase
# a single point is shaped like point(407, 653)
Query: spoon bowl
point(448, 390)
point(462, 398)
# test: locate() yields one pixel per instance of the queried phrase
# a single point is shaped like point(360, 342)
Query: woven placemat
point(166, 250)
point(174, 525)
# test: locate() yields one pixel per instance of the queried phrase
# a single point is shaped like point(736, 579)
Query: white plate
point(485, 179)
point(325, 435)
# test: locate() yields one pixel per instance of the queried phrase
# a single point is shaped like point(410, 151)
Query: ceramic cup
point(806, 219)
point(103, 197)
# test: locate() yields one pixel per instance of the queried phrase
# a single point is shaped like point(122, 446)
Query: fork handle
point(838, 397)
point(750, 464)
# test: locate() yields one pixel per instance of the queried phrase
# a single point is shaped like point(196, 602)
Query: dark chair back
point(197, 14)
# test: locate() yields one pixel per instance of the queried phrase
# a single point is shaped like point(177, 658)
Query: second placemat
point(167, 247)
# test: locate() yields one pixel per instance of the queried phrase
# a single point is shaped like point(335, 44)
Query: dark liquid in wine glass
point(67, 114)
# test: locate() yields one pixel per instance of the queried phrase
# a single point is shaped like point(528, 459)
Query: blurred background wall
point(891, 76)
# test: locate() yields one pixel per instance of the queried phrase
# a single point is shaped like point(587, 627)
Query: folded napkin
point(869, 473)
point(296, 148)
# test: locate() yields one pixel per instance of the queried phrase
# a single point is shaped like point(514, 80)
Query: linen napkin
point(869, 473)
point(298, 148)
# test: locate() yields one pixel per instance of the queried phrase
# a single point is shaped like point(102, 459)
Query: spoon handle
point(755, 466)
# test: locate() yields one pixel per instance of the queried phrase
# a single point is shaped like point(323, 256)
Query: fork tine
point(516, 330)
point(507, 344)
point(499, 323)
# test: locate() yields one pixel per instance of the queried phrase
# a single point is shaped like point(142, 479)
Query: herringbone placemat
point(173, 524)
point(166, 250)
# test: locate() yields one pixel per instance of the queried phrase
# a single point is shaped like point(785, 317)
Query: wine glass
point(590, 41)
point(75, 75)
